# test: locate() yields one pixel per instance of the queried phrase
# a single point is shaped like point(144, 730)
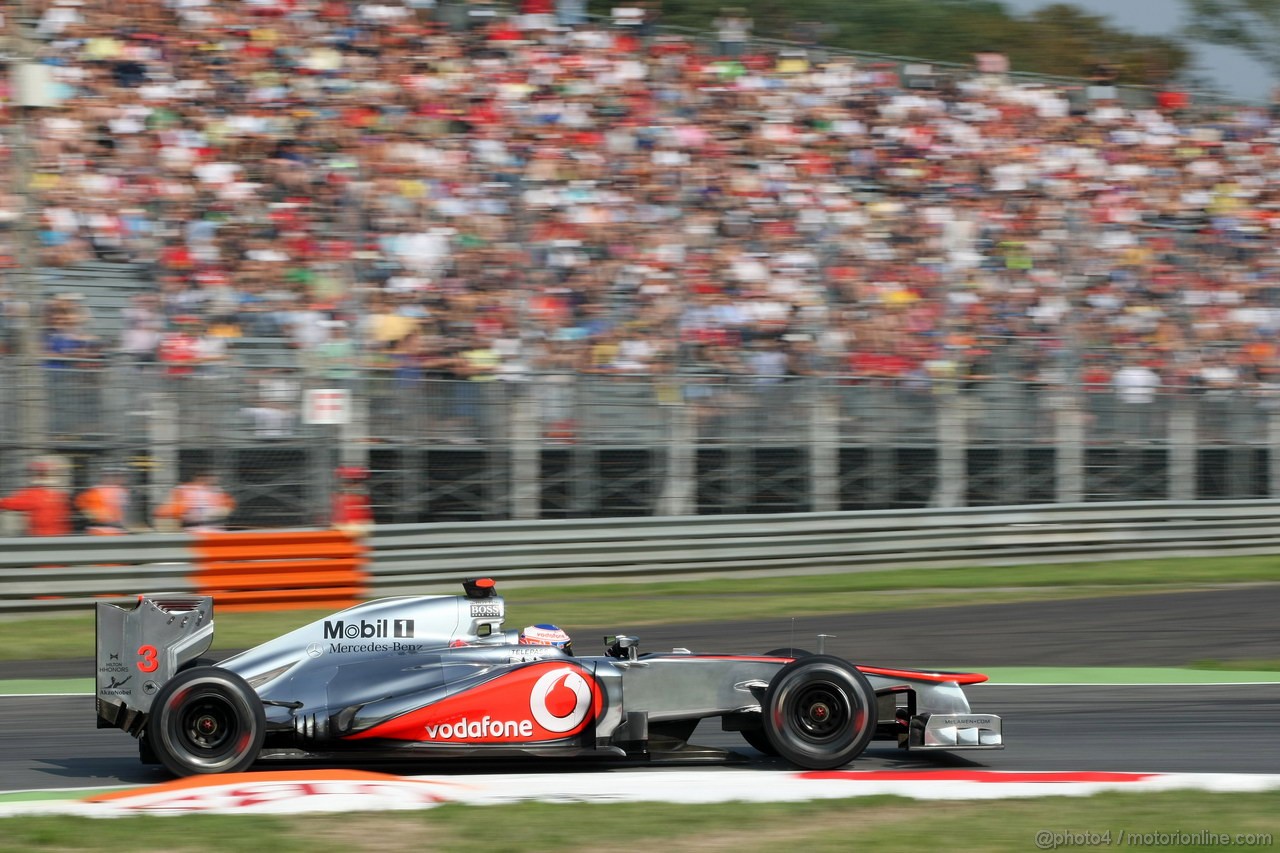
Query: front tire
point(206, 720)
point(758, 739)
point(819, 712)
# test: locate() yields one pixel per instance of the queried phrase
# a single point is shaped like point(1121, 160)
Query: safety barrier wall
point(68, 573)
point(322, 569)
point(412, 558)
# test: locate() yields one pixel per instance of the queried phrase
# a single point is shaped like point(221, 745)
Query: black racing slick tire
point(819, 712)
point(145, 753)
point(206, 720)
point(756, 738)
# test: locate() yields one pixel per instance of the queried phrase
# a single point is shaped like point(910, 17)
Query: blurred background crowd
point(487, 195)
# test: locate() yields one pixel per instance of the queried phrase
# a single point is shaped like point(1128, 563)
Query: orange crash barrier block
point(280, 569)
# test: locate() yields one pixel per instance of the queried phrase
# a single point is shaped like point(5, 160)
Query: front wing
point(930, 711)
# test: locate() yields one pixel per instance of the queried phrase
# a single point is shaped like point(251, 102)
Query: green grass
point(1117, 675)
point(623, 606)
point(872, 823)
point(1247, 665)
point(1189, 570)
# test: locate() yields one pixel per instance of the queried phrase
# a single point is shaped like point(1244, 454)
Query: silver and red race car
point(436, 677)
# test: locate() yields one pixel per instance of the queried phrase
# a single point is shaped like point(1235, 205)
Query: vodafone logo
point(531, 703)
point(560, 699)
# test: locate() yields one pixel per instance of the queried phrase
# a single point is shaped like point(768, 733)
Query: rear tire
point(145, 753)
point(819, 712)
point(206, 720)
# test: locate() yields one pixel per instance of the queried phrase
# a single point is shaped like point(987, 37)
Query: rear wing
point(139, 648)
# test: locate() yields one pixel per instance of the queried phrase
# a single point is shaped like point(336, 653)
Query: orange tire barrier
point(280, 569)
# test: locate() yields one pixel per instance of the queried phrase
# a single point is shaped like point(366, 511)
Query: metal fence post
point(678, 486)
point(1069, 448)
point(824, 450)
point(526, 453)
point(353, 434)
point(1182, 448)
point(162, 434)
point(952, 442)
point(1273, 454)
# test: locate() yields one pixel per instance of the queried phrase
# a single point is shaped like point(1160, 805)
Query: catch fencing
point(565, 446)
point(67, 575)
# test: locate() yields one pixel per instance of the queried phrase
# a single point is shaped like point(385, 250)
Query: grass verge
point(1248, 665)
point(873, 823)
point(633, 605)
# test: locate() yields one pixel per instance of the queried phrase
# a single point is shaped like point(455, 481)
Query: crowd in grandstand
point(462, 193)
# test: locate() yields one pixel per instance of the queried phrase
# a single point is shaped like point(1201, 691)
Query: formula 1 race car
point(436, 677)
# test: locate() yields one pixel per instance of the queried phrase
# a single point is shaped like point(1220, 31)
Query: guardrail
point(67, 574)
point(411, 558)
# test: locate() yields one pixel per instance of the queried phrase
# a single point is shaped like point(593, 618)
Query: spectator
point(71, 358)
point(573, 182)
point(44, 502)
point(336, 357)
point(143, 330)
point(199, 505)
point(179, 350)
point(274, 414)
point(352, 511)
point(1136, 385)
point(106, 504)
point(269, 418)
point(733, 31)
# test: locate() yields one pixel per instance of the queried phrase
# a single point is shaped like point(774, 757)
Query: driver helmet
point(546, 635)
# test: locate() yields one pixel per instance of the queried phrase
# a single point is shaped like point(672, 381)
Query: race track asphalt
point(1167, 629)
point(50, 742)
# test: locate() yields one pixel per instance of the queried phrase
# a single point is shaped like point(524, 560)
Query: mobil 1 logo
point(368, 629)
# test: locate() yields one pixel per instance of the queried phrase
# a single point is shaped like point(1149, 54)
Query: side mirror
point(622, 646)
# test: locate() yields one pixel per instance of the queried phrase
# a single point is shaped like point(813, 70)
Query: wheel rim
point(208, 726)
point(821, 712)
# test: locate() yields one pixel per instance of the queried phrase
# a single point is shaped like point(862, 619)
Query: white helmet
point(546, 635)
